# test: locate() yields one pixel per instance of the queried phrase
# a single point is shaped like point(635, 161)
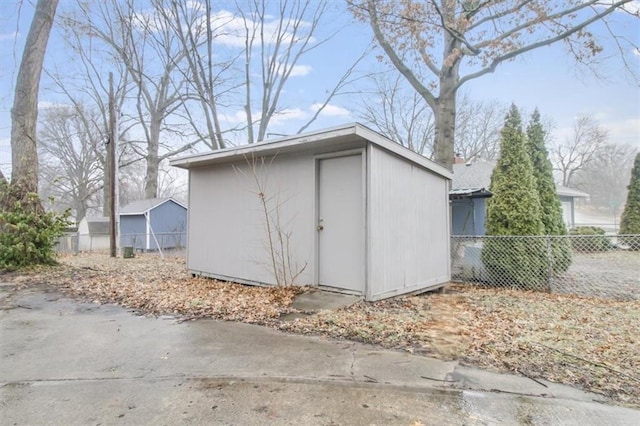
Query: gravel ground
point(612, 274)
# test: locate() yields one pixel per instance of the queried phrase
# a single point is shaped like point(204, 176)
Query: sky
point(546, 78)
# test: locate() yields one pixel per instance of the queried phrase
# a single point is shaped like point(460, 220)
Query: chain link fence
point(174, 243)
point(587, 265)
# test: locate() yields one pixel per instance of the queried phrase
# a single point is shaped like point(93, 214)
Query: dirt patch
point(589, 342)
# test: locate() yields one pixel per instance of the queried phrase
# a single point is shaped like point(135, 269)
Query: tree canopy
point(439, 45)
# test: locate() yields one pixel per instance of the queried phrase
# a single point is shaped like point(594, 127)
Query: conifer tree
point(630, 223)
point(551, 208)
point(514, 210)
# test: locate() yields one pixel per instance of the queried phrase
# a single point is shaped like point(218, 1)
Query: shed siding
point(167, 220)
point(468, 216)
point(133, 231)
point(408, 214)
point(227, 227)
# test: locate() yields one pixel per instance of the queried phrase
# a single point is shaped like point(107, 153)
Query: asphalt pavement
point(63, 362)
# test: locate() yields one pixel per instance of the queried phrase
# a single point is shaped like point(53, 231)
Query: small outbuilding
point(93, 234)
point(344, 209)
point(152, 224)
point(470, 190)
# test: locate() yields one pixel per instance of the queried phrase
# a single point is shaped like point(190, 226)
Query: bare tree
point(24, 114)
point(578, 150)
point(399, 113)
point(403, 117)
point(70, 147)
point(88, 91)
point(606, 176)
point(245, 58)
point(439, 45)
point(478, 127)
point(146, 45)
point(196, 28)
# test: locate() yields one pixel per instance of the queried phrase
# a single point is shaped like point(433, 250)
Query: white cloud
point(631, 7)
point(9, 36)
point(288, 114)
point(230, 29)
point(331, 110)
point(300, 70)
point(237, 117)
point(42, 105)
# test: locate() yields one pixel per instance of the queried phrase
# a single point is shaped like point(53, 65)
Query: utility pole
point(111, 155)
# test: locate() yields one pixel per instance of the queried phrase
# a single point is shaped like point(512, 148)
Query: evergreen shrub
point(630, 223)
point(514, 210)
point(590, 239)
point(28, 237)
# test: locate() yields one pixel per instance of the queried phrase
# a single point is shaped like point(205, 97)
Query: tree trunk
point(445, 125)
point(153, 147)
point(445, 108)
point(24, 114)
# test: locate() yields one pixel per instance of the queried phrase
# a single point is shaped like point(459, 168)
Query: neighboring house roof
point(570, 192)
point(475, 176)
point(472, 175)
point(143, 206)
point(335, 137)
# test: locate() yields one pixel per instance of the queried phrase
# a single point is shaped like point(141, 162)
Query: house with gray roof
point(152, 224)
point(470, 190)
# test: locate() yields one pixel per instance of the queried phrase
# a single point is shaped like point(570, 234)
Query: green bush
point(516, 262)
point(630, 223)
point(551, 208)
point(28, 237)
point(514, 210)
point(560, 254)
point(590, 239)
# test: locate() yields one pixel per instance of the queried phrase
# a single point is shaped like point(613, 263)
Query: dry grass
point(592, 343)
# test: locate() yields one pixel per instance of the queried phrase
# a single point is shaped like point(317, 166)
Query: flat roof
point(332, 138)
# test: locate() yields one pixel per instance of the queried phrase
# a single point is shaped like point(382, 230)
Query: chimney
point(457, 159)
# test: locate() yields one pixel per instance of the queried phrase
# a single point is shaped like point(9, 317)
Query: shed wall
point(408, 227)
point(133, 231)
point(227, 226)
point(568, 210)
point(169, 224)
point(468, 216)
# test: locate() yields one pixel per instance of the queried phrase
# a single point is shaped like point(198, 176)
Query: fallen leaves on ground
point(592, 343)
point(155, 286)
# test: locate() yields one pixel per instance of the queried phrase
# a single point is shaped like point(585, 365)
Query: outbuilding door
point(340, 225)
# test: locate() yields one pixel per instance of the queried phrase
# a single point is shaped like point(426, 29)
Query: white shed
point(93, 234)
point(343, 209)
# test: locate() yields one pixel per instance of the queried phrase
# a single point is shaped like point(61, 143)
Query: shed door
point(341, 223)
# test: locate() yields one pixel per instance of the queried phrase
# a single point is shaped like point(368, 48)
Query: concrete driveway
point(65, 362)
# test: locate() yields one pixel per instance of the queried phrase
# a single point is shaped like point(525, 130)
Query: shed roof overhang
point(459, 194)
point(336, 138)
point(564, 191)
